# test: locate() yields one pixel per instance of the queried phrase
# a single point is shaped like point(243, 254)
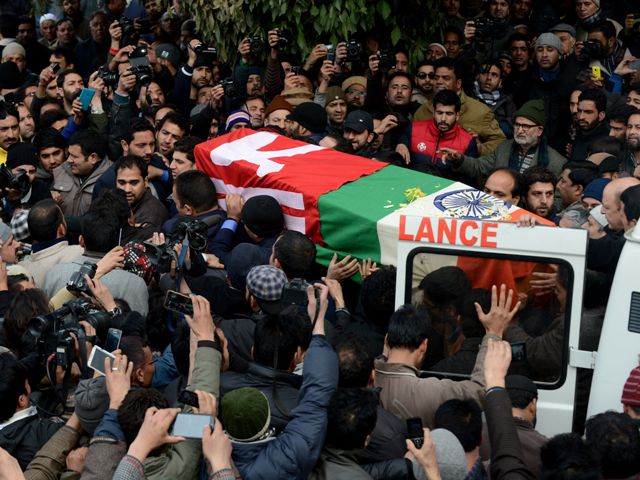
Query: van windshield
point(450, 285)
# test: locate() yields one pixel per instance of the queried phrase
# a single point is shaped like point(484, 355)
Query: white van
point(494, 252)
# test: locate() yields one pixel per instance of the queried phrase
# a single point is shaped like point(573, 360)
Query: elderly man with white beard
point(528, 148)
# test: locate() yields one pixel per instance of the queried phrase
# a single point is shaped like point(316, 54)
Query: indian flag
point(345, 203)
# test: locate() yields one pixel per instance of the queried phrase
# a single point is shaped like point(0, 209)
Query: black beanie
point(263, 216)
point(22, 154)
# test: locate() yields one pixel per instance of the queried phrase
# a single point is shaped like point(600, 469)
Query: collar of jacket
point(448, 135)
point(386, 368)
point(272, 373)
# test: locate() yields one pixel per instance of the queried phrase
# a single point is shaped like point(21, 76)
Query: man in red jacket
point(423, 140)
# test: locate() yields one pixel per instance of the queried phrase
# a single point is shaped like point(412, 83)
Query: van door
point(620, 337)
point(494, 253)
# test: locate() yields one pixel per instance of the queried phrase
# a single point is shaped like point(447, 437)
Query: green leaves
point(413, 23)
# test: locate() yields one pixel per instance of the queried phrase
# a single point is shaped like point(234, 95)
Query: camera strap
point(171, 318)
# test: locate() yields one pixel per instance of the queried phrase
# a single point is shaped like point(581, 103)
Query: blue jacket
point(294, 452)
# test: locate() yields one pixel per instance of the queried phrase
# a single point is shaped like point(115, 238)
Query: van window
point(449, 285)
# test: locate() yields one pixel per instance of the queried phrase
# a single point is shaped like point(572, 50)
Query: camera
point(487, 27)
point(130, 35)
point(387, 61)
point(77, 284)
point(295, 293)
point(296, 70)
point(284, 39)
point(140, 65)
point(204, 50)
point(109, 78)
point(191, 229)
point(231, 89)
point(51, 334)
point(257, 45)
point(354, 51)
point(11, 181)
point(592, 49)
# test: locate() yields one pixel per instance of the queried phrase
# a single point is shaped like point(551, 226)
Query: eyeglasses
point(523, 126)
point(423, 75)
point(356, 92)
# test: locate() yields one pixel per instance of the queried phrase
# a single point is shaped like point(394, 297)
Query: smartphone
point(55, 67)
point(189, 398)
point(296, 70)
point(595, 70)
point(415, 431)
point(190, 425)
point(518, 352)
point(112, 341)
point(178, 302)
point(97, 358)
point(331, 53)
point(86, 95)
point(635, 65)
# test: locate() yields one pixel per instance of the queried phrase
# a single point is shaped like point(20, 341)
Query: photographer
point(487, 35)
point(22, 431)
point(196, 73)
point(602, 49)
point(23, 190)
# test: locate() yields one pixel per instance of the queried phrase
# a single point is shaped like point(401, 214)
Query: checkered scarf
point(490, 99)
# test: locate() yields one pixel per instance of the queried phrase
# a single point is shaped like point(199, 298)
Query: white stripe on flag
point(287, 199)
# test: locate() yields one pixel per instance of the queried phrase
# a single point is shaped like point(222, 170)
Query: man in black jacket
point(591, 117)
point(22, 431)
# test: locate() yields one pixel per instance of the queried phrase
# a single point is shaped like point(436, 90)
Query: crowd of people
point(223, 316)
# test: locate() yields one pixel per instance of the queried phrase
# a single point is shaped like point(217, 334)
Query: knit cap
point(262, 215)
point(332, 94)
point(551, 40)
point(631, 390)
point(245, 414)
point(14, 48)
point(22, 154)
point(278, 103)
point(236, 117)
point(354, 80)
point(595, 189)
point(46, 17)
point(311, 116)
point(534, 111)
point(440, 46)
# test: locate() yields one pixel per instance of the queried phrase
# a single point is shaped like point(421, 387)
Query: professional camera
point(257, 45)
point(487, 27)
point(52, 333)
point(204, 50)
point(109, 78)
point(140, 65)
point(191, 229)
point(387, 61)
point(354, 51)
point(11, 181)
point(284, 39)
point(130, 35)
point(592, 49)
point(231, 89)
point(295, 293)
point(77, 284)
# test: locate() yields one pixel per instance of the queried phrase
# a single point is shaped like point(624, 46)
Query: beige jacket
point(75, 196)
point(407, 395)
point(39, 263)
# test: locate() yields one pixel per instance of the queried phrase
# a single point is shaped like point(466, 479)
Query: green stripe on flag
point(349, 215)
